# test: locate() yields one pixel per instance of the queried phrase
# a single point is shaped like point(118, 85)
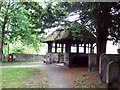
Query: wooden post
point(49, 47)
point(62, 48)
point(91, 48)
point(55, 47)
point(84, 47)
point(68, 48)
point(88, 48)
point(77, 47)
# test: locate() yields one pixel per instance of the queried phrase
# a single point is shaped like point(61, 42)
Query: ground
point(58, 76)
point(82, 78)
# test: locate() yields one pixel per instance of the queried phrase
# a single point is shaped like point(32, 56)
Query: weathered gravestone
point(112, 75)
point(67, 60)
point(91, 61)
point(104, 60)
point(49, 58)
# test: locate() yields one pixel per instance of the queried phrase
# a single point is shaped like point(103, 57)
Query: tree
point(102, 18)
point(16, 25)
point(25, 20)
point(104, 22)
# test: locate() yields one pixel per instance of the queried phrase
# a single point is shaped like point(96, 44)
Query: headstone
point(49, 58)
point(118, 50)
point(112, 75)
point(66, 59)
point(118, 47)
point(104, 60)
point(61, 57)
point(91, 61)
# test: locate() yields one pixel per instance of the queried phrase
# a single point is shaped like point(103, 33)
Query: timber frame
point(61, 41)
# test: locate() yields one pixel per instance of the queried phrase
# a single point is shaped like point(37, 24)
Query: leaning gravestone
point(91, 61)
point(49, 58)
point(104, 60)
point(112, 75)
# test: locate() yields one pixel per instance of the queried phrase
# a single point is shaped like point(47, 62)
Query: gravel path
point(55, 73)
point(56, 76)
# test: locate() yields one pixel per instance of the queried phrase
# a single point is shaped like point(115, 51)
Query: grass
point(0, 78)
point(20, 63)
point(23, 78)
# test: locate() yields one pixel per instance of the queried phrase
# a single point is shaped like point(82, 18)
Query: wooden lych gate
point(61, 42)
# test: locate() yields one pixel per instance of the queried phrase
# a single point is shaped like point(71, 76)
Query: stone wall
point(29, 57)
point(55, 57)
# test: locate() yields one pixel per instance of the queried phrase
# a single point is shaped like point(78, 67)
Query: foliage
point(18, 26)
point(25, 20)
point(97, 14)
point(19, 47)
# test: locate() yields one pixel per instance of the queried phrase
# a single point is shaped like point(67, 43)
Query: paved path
point(56, 76)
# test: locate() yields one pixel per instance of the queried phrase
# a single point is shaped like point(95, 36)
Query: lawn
point(0, 77)
point(23, 78)
point(20, 63)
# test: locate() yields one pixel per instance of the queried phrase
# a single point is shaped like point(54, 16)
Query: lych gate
point(60, 43)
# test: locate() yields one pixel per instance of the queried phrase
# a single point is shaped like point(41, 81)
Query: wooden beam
point(49, 47)
point(84, 47)
point(77, 47)
point(88, 48)
point(68, 48)
point(91, 48)
point(55, 47)
point(62, 48)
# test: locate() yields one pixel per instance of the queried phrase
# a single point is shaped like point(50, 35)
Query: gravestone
point(66, 60)
point(61, 55)
point(49, 58)
point(91, 61)
point(112, 75)
point(118, 50)
point(104, 60)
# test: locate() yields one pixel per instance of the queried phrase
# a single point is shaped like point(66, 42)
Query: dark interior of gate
point(80, 61)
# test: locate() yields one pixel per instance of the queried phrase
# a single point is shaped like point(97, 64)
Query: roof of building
point(62, 34)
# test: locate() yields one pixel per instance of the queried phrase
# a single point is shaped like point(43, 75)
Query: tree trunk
point(2, 40)
point(0, 36)
point(102, 34)
point(103, 22)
